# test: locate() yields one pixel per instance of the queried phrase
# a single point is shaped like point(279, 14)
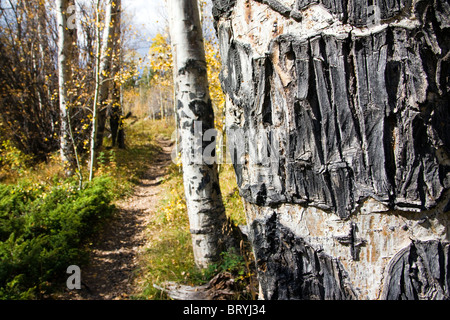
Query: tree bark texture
point(97, 85)
point(353, 98)
point(116, 116)
point(66, 57)
point(196, 116)
point(110, 36)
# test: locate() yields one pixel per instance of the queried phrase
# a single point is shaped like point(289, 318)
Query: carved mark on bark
point(352, 241)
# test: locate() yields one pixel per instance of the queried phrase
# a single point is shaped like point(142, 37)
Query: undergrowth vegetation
point(48, 223)
point(43, 230)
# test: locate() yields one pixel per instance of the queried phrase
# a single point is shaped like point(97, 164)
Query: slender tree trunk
point(96, 94)
point(48, 66)
point(112, 12)
point(65, 59)
point(203, 197)
point(116, 122)
point(161, 103)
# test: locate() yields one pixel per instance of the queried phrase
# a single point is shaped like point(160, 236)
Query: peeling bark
point(293, 269)
point(353, 98)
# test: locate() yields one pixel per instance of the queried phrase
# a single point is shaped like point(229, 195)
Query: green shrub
point(42, 232)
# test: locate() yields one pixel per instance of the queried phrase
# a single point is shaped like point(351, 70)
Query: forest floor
point(114, 257)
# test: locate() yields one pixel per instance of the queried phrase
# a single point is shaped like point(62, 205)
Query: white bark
point(204, 201)
point(65, 52)
point(96, 94)
point(109, 37)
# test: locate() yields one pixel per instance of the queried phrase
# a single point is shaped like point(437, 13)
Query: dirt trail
point(114, 257)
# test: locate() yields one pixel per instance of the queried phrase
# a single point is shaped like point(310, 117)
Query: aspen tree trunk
point(34, 9)
point(116, 122)
point(109, 37)
point(44, 51)
point(96, 94)
point(203, 196)
point(66, 42)
point(338, 125)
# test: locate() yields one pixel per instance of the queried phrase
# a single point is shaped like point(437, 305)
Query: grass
point(126, 166)
point(133, 162)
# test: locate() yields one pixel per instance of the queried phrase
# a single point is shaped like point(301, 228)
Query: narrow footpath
point(114, 258)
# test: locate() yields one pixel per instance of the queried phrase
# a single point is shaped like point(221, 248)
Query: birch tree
point(66, 43)
point(96, 93)
point(109, 37)
point(203, 196)
point(116, 123)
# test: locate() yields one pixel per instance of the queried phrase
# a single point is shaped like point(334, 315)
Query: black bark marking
point(352, 241)
point(222, 8)
point(352, 129)
point(289, 268)
point(420, 271)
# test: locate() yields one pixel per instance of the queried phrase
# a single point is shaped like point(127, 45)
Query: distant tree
point(29, 110)
point(161, 63)
point(116, 121)
point(47, 76)
point(111, 34)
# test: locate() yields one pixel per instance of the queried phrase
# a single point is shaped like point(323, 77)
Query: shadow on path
point(114, 255)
